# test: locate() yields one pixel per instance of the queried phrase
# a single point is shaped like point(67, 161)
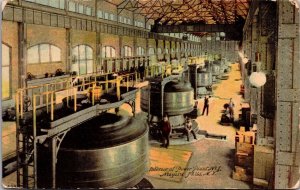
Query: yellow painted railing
point(40, 98)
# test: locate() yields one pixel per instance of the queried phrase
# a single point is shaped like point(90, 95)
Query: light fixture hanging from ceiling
point(245, 60)
point(222, 34)
point(257, 78)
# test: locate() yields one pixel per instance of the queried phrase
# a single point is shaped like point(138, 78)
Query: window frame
point(126, 51)
point(151, 48)
point(61, 3)
point(86, 59)
point(10, 73)
point(100, 12)
point(140, 51)
point(128, 21)
point(75, 6)
point(88, 8)
point(159, 51)
point(111, 17)
point(106, 15)
point(79, 5)
point(50, 54)
point(111, 48)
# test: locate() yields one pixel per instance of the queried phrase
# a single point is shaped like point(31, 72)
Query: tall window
point(106, 15)
point(43, 53)
point(158, 50)
point(60, 4)
point(6, 62)
point(80, 8)
point(82, 56)
point(127, 51)
point(121, 19)
point(111, 16)
point(99, 14)
point(108, 52)
point(72, 6)
point(151, 51)
point(140, 51)
point(88, 10)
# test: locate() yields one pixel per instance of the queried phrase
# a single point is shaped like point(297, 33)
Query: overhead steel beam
point(252, 9)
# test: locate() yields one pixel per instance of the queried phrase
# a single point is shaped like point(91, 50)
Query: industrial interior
point(92, 90)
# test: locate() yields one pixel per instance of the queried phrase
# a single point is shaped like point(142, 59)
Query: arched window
point(6, 63)
point(108, 52)
point(82, 58)
point(158, 50)
point(127, 51)
point(140, 51)
point(151, 51)
point(43, 53)
point(167, 51)
point(182, 49)
point(52, 3)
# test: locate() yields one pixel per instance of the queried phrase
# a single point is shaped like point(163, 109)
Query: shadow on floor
point(231, 156)
point(236, 124)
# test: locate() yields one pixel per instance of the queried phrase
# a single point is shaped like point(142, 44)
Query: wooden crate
point(245, 137)
point(260, 182)
point(241, 177)
point(242, 129)
point(240, 170)
point(244, 148)
point(263, 162)
point(244, 161)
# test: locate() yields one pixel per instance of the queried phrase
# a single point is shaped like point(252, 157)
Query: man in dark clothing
point(206, 105)
point(131, 69)
point(141, 71)
point(166, 131)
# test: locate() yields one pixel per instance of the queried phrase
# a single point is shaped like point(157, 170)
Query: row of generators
point(203, 76)
point(176, 95)
point(111, 151)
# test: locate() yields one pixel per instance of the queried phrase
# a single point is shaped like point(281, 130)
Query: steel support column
point(288, 96)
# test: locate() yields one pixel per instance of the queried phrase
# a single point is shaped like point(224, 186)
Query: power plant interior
point(150, 94)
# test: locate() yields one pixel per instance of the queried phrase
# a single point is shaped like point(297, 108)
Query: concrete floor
point(206, 152)
point(209, 152)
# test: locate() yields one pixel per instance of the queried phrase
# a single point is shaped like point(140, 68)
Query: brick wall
point(111, 40)
point(37, 34)
point(10, 38)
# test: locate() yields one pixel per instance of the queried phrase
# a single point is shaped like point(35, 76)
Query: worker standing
point(206, 105)
point(141, 71)
point(166, 131)
point(230, 107)
point(188, 129)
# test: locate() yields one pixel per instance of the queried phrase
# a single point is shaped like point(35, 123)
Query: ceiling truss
point(176, 12)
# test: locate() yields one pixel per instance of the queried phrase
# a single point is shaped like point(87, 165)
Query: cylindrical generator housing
point(203, 77)
point(178, 98)
point(108, 151)
point(215, 68)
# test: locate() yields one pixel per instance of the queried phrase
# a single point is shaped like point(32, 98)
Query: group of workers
point(166, 127)
point(229, 111)
point(166, 130)
point(228, 115)
point(140, 69)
